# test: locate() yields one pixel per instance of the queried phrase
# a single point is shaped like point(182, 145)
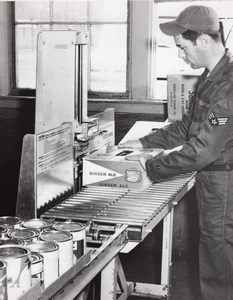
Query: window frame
point(140, 68)
point(15, 91)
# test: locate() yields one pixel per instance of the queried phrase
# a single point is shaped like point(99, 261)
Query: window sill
point(157, 107)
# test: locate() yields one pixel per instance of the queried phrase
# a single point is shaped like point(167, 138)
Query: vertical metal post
point(167, 250)
point(109, 281)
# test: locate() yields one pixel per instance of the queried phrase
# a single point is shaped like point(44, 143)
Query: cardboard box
point(181, 91)
point(110, 168)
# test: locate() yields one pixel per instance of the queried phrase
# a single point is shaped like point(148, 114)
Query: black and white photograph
point(116, 150)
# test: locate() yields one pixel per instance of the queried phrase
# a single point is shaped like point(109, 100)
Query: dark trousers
point(214, 191)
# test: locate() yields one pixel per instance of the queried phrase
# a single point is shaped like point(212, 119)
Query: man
point(206, 136)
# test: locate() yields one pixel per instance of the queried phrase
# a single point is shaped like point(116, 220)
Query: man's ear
point(203, 40)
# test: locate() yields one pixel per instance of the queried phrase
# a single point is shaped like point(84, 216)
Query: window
point(167, 51)
point(104, 21)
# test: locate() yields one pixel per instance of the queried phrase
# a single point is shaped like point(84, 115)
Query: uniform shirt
point(206, 131)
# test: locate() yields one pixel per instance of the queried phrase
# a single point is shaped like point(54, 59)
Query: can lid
point(3, 228)
point(68, 226)
point(37, 224)
point(12, 252)
point(9, 220)
point(11, 241)
point(37, 263)
point(43, 246)
point(36, 258)
point(56, 236)
point(23, 233)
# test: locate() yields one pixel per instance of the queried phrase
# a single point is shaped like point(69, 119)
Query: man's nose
point(181, 53)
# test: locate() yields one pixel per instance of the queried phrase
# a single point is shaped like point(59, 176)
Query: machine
point(50, 185)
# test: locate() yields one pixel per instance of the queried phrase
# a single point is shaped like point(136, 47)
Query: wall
point(14, 124)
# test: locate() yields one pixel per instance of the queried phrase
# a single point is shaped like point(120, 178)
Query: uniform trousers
point(214, 193)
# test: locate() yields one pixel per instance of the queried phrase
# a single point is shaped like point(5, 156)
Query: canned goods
point(65, 242)
point(39, 224)
point(37, 267)
point(10, 221)
point(28, 235)
point(3, 231)
point(3, 281)
point(49, 251)
point(18, 268)
point(79, 235)
point(11, 241)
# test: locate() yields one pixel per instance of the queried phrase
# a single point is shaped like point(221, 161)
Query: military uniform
point(206, 133)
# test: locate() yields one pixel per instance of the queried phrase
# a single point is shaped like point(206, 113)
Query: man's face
point(189, 52)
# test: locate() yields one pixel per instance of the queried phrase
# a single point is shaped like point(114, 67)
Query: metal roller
point(104, 207)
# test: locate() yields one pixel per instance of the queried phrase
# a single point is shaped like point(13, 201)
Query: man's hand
point(142, 158)
point(131, 144)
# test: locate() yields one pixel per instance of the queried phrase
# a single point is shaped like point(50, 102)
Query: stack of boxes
point(181, 91)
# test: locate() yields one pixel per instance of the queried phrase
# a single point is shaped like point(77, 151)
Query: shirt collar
point(220, 67)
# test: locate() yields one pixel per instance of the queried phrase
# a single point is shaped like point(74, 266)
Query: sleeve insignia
point(215, 121)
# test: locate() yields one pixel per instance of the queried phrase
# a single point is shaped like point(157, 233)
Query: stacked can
point(27, 235)
point(18, 269)
point(39, 224)
point(37, 268)
point(79, 236)
point(3, 281)
point(49, 251)
point(10, 222)
point(3, 231)
point(65, 242)
point(11, 241)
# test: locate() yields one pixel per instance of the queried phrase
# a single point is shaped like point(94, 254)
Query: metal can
point(18, 268)
point(39, 224)
point(37, 267)
point(49, 251)
point(10, 221)
point(28, 235)
point(65, 242)
point(3, 281)
point(79, 235)
point(3, 231)
point(11, 241)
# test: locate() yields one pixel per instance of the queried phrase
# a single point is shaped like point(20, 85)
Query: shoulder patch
point(215, 121)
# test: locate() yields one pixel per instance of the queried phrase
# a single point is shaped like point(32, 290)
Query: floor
point(143, 264)
point(184, 282)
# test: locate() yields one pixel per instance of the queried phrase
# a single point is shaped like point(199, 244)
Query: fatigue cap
point(196, 18)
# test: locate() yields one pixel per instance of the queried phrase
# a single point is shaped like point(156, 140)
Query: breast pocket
point(201, 110)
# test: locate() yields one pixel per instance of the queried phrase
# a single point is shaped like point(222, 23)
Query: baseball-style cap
point(195, 17)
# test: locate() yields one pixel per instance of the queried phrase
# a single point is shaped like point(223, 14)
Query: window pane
point(108, 10)
point(70, 11)
point(107, 42)
point(31, 11)
point(108, 58)
point(26, 38)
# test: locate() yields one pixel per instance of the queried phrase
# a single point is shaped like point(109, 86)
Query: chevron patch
point(215, 121)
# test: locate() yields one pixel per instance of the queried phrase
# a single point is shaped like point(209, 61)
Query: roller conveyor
point(140, 209)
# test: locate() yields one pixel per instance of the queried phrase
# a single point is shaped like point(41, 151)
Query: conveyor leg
point(113, 282)
point(162, 290)
point(167, 250)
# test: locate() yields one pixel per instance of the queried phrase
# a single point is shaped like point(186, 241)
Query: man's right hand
point(131, 144)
